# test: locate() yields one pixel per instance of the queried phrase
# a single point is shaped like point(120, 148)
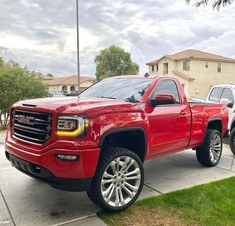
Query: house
point(196, 70)
point(68, 84)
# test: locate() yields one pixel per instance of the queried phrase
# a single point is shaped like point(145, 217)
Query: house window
point(206, 65)
point(165, 68)
point(72, 89)
point(156, 67)
point(186, 65)
point(152, 68)
point(219, 67)
point(65, 90)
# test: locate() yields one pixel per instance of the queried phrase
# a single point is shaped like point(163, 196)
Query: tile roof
point(68, 80)
point(194, 54)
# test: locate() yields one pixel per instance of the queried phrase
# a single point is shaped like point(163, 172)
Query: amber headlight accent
point(71, 126)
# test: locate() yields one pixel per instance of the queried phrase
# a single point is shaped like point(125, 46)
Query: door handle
point(183, 112)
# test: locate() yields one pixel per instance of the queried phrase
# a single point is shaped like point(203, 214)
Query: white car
point(56, 93)
point(225, 93)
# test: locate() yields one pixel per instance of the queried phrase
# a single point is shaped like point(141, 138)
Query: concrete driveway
point(27, 201)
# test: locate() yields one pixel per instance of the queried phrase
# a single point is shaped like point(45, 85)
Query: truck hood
point(75, 105)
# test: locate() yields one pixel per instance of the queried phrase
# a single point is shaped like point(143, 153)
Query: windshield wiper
point(107, 97)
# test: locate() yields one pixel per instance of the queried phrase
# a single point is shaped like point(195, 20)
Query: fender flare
point(207, 125)
point(124, 129)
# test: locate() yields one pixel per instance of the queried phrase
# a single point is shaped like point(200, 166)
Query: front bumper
point(66, 175)
point(45, 175)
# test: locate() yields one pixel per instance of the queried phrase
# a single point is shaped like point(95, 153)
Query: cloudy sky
point(42, 34)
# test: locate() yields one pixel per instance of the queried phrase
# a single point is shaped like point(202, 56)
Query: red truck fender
point(136, 135)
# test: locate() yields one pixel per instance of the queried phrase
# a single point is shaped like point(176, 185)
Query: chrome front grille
point(31, 126)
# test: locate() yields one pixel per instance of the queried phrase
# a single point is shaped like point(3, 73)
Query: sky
point(41, 34)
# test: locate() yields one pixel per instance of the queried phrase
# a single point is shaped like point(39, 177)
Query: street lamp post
point(78, 46)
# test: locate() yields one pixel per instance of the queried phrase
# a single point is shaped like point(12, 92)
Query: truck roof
point(225, 85)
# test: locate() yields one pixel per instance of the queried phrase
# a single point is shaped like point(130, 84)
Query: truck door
point(169, 123)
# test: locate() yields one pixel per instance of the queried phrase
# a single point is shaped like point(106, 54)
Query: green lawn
point(210, 204)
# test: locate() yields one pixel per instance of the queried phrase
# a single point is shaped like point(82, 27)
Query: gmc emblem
point(26, 120)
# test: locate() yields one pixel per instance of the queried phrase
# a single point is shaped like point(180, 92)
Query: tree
point(114, 61)
point(216, 3)
point(1, 62)
point(17, 83)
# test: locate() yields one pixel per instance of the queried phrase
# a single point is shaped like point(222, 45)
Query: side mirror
point(226, 102)
point(162, 99)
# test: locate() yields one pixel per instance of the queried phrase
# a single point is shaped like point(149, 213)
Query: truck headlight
point(71, 126)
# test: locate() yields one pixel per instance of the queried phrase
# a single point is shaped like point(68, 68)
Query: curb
point(88, 220)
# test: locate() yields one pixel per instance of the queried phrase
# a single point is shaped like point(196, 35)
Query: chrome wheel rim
point(120, 181)
point(215, 148)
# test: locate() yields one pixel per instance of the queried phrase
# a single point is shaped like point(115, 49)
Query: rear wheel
point(209, 153)
point(118, 181)
point(232, 141)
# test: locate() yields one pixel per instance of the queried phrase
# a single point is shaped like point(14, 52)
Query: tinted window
point(215, 94)
point(227, 94)
point(167, 87)
point(130, 90)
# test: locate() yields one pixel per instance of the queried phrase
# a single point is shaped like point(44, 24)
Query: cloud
point(42, 34)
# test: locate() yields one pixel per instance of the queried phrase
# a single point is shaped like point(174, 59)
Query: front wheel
point(118, 181)
point(209, 153)
point(232, 141)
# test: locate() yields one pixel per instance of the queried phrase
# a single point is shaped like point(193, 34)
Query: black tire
point(232, 141)
point(205, 152)
point(95, 193)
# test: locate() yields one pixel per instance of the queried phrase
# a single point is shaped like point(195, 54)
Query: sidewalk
point(25, 201)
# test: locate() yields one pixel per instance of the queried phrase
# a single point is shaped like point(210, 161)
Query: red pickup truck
point(97, 142)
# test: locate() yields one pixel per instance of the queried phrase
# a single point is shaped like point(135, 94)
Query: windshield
point(130, 90)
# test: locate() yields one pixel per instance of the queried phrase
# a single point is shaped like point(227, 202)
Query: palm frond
point(217, 4)
point(201, 3)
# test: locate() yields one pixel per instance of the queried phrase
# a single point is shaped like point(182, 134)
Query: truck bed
point(202, 114)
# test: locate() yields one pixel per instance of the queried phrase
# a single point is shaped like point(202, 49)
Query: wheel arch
point(215, 123)
point(132, 138)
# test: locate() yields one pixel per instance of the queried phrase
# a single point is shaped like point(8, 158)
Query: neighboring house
point(196, 70)
point(68, 84)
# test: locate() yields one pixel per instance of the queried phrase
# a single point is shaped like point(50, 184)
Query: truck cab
point(225, 94)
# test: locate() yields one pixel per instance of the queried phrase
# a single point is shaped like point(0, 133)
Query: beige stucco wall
point(53, 88)
point(207, 77)
point(84, 85)
point(204, 77)
point(171, 67)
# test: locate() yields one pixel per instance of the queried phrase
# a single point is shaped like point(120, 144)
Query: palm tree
point(216, 3)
